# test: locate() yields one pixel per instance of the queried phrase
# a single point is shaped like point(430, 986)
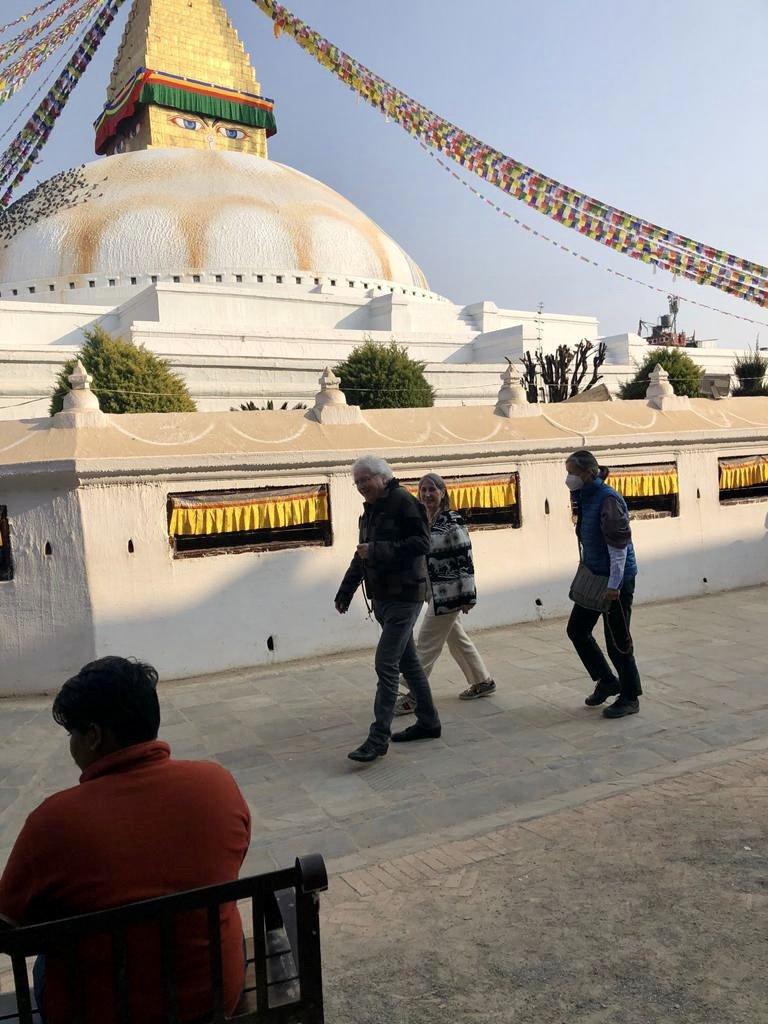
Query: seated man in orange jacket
point(138, 825)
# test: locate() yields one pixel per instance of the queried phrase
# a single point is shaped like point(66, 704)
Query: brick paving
point(643, 907)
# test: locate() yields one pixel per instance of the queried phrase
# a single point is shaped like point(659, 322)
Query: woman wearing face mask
point(606, 547)
point(451, 592)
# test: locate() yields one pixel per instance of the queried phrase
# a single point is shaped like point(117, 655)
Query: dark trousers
point(618, 642)
point(38, 984)
point(396, 653)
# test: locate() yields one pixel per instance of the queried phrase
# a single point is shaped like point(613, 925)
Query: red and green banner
point(621, 231)
point(187, 95)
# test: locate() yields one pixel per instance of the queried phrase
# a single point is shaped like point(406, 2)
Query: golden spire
point(182, 78)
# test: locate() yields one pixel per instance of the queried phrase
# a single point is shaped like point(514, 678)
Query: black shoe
point(622, 706)
point(366, 752)
point(601, 693)
point(417, 732)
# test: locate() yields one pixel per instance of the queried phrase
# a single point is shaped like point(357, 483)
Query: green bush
point(684, 374)
point(376, 376)
point(125, 378)
point(750, 369)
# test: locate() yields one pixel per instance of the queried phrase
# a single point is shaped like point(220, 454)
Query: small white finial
point(660, 393)
point(80, 407)
point(513, 398)
point(80, 379)
point(659, 386)
point(330, 392)
point(331, 402)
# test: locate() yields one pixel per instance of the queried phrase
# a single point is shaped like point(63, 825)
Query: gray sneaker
point(484, 689)
point(405, 704)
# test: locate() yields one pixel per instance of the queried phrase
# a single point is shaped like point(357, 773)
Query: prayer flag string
point(12, 46)
point(27, 16)
point(572, 252)
point(15, 75)
point(18, 159)
point(618, 230)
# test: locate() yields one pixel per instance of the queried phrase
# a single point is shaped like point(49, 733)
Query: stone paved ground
point(532, 753)
point(285, 732)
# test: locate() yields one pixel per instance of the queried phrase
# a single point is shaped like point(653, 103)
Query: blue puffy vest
point(595, 550)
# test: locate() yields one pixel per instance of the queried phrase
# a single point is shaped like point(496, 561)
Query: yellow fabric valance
point(500, 493)
point(483, 494)
point(644, 481)
point(202, 515)
point(738, 473)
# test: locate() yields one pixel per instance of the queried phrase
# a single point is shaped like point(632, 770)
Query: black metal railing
point(283, 969)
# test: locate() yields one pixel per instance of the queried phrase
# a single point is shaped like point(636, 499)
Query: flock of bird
point(61, 192)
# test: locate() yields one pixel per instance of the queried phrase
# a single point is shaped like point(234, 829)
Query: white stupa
point(180, 211)
point(248, 275)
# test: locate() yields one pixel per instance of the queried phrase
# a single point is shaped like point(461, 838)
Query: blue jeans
point(396, 653)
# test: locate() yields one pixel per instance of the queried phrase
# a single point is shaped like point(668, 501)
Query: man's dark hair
point(118, 694)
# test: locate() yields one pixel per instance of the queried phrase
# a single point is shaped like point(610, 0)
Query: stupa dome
point(174, 211)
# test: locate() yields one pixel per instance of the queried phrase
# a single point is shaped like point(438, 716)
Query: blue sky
point(658, 108)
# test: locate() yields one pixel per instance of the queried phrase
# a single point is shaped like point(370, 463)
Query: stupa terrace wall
point(97, 501)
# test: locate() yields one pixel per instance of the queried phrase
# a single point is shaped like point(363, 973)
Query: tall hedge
point(376, 376)
point(684, 374)
point(750, 370)
point(125, 378)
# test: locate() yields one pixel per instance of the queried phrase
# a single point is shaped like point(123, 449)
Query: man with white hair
point(390, 561)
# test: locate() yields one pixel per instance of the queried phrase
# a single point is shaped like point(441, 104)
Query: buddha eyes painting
point(214, 128)
point(190, 123)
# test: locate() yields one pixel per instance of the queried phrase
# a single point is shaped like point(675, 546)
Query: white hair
point(375, 466)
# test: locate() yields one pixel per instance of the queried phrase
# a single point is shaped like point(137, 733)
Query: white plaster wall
point(215, 334)
point(29, 325)
point(213, 342)
point(197, 615)
point(221, 375)
point(631, 350)
point(27, 378)
point(498, 327)
point(45, 618)
point(277, 306)
point(297, 381)
point(714, 360)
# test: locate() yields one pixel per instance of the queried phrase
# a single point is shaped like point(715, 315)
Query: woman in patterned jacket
point(451, 593)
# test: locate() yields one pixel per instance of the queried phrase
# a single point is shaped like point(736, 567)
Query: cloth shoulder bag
point(588, 589)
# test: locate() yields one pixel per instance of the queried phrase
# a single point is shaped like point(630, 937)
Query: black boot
point(622, 706)
point(602, 692)
point(417, 732)
point(366, 752)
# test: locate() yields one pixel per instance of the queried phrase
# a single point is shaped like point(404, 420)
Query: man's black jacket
point(396, 529)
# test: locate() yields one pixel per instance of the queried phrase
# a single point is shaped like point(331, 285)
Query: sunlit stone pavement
point(533, 747)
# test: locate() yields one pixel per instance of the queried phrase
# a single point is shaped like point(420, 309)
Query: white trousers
point(436, 631)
